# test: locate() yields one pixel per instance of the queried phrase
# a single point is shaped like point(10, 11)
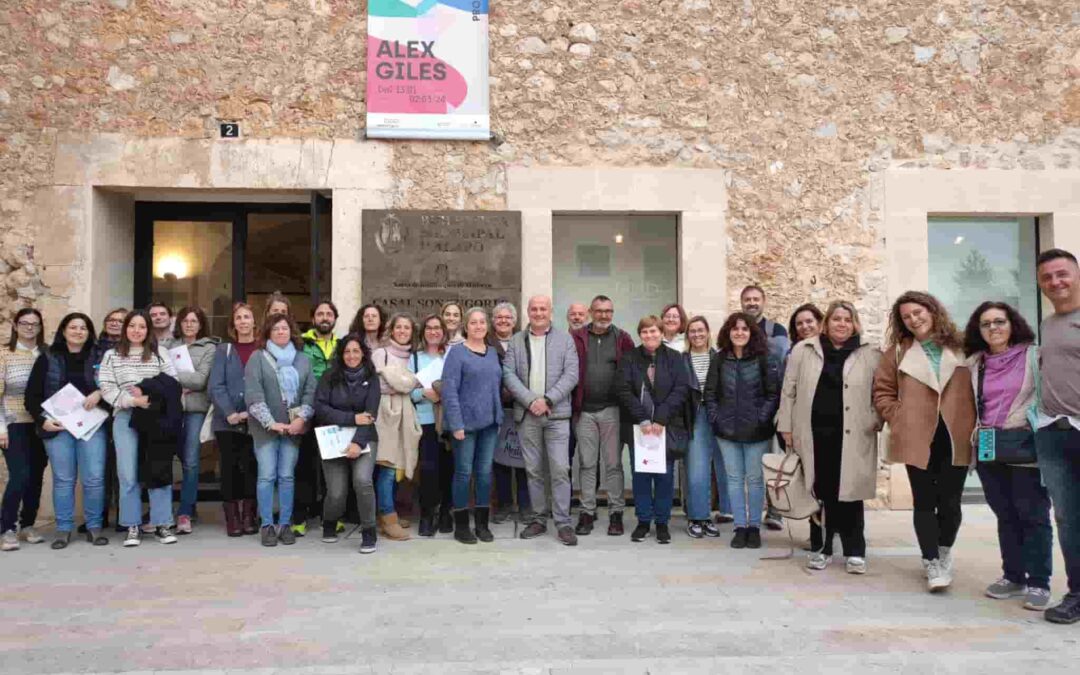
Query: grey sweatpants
point(546, 442)
point(337, 472)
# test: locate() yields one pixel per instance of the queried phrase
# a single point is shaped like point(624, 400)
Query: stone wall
point(803, 103)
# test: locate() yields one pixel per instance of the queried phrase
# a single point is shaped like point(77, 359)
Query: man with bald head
point(577, 315)
point(541, 371)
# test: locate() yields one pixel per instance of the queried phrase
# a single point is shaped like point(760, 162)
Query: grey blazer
point(561, 359)
point(261, 387)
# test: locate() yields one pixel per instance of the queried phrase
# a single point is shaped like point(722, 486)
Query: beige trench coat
point(399, 430)
point(859, 454)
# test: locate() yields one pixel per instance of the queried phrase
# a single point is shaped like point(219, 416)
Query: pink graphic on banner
point(409, 78)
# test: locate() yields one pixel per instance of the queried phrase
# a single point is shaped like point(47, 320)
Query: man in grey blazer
point(541, 370)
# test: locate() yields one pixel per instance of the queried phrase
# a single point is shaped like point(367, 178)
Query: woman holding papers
point(827, 417)
point(22, 448)
point(192, 332)
point(136, 358)
point(436, 464)
point(472, 413)
point(348, 396)
point(742, 393)
point(652, 385)
point(279, 390)
point(73, 455)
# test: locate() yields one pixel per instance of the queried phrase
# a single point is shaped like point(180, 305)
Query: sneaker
point(663, 534)
point(817, 561)
point(329, 533)
point(695, 529)
point(710, 529)
point(368, 537)
point(1037, 599)
point(945, 554)
point(641, 532)
point(774, 522)
point(585, 524)
point(1067, 611)
point(30, 535)
point(299, 530)
point(855, 565)
point(183, 525)
point(937, 578)
point(287, 536)
point(567, 536)
point(269, 535)
point(9, 541)
point(134, 536)
point(340, 527)
point(739, 540)
point(724, 518)
point(165, 534)
point(533, 531)
point(1003, 589)
point(753, 537)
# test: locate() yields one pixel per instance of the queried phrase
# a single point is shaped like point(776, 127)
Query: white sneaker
point(946, 556)
point(855, 565)
point(817, 560)
point(9, 541)
point(937, 578)
point(30, 535)
point(165, 535)
point(134, 536)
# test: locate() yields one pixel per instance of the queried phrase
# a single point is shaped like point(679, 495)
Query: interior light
point(173, 265)
point(959, 240)
point(618, 239)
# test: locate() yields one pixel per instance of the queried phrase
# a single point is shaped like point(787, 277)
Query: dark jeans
point(653, 494)
point(308, 478)
point(238, 467)
point(436, 470)
point(843, 518)
point(1059, 459)
point(504, 486)
point(937, 491)
point(1022, 506)
point(26, 462)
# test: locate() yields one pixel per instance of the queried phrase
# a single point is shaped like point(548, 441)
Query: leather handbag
point(785, 483)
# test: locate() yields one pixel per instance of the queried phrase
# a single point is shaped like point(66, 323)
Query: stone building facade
point(802, 145)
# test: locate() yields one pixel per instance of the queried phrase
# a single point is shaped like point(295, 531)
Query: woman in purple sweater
point(472, 413)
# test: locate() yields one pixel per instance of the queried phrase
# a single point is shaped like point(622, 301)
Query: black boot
point(461, 527)
point(446, 520)
point(427, 523)
point(481, 516)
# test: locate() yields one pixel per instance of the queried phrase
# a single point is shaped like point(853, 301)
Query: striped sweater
point(15, 367)
point(118, 373)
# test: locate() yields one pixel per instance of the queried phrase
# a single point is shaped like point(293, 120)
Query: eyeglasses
point(28, 324)
point(995, 323)
point(114, 321)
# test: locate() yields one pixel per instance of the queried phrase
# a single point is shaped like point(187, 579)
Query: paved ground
point(210, 604)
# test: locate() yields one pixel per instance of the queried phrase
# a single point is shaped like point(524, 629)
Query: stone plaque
point(413, 261)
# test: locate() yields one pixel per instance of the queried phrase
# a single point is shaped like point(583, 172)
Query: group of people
point(464, 404)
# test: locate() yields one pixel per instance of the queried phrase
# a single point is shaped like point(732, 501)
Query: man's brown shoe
point(584, 524)
point(615, 526)
point(567, 536)
point(533, 531)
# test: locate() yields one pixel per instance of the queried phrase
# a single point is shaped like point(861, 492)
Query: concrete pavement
point(210, 604)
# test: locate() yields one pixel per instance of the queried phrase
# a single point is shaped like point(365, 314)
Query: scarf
point(398, 351)
point(1002, 381)
point(354, 377)
point(833, 370)
point(288, 378)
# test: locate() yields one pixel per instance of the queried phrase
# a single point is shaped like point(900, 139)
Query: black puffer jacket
point(742, 396)
point(668, 391)
point(338, 403)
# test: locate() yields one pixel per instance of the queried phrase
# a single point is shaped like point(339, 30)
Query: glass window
point(633, 259)
point(193, 266)
point(977, 259)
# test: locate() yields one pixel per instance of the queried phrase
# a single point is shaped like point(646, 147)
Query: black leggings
point(436, 470)
point(238, 467)
point(937, 492)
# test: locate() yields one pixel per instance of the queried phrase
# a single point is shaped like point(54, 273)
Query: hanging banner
point(427, 69)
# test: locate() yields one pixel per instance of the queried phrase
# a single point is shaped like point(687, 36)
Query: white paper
point(181, 359)
point(430, 374)
point(334, 441)
point(66, 407)
point(650, 452)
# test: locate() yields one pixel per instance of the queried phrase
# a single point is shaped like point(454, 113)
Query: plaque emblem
point(390, 239)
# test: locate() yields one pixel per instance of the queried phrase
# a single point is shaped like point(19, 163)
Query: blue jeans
point(385, 489)
point(653, 493)
point(26, 460)
point(702, 457)
point(1019, 500)
point(474, 456)
point(1059, 459)
point(277, 464)
point(73, 459)
point(746, 482)
point(127, 469)
point(189, 459)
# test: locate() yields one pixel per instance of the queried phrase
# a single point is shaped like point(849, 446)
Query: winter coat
point(196, 395)
point(261, 388)
point(226, 388)
point(159, 429)
point(336, 403)
point(859, 451)
point(910, 396)
point(623, 344)
point(320, 360)
point(398, 429)
point(560, 379)
point(669, 389)
point(742, 396)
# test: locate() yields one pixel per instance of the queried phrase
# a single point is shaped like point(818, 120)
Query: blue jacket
point(742, 396)
point(471, 388)
point(226, 387)
point(425, 409)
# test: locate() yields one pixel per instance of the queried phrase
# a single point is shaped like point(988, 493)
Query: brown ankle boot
point(233, 528)
point(249, 516)
point(392, 529)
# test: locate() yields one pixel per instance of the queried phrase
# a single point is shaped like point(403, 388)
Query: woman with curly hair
point(922, 388)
